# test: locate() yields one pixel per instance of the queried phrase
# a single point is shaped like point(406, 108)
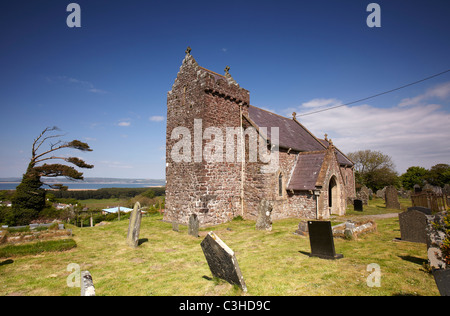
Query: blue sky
point(106, 82)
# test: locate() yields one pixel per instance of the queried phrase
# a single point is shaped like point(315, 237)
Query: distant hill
point(95, 180)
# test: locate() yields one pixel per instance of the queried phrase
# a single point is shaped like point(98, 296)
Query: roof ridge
point(211, 71)
point(307, 130)
point(284, 117)
point(314, 152)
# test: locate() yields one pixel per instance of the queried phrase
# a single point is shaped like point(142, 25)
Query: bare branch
point(48, 158)
point(34, 159)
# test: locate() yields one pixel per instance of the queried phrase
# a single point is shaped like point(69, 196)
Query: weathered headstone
point(442, 279)
point(175, 226)
point(321, 240)
point(435, 239)
point(222, 261)
point(264, 221)
point(364, 194)
point(134, 226)
point(417, 188)
point(413, 224)
point(358, 205)
point(302, 229)
point(193, 225)
point(381, 193)
point(392, 198)
point(87, 284)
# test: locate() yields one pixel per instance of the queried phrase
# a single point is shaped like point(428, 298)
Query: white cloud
point(85, 84)
point(99, 91)
point(156, 118)
point(125, 123)
point(315, 103)
point(417, 135)
point(441, 92)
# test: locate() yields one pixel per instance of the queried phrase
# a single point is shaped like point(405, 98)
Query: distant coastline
point(90, 183)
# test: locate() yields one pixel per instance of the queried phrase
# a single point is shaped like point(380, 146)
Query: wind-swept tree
point(29, 198)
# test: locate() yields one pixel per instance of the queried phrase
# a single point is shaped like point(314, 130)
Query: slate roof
point(292, 133)
point(306, 171)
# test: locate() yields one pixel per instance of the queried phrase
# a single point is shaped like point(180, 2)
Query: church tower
point(201, 106)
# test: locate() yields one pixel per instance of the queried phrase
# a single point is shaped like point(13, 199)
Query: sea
point(85, 186)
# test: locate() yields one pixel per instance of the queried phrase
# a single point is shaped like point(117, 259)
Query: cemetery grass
point(172, 263)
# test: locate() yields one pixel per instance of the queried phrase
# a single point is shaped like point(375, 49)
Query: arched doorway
point(333, 196)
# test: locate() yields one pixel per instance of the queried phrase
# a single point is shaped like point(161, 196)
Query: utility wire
point(375, 95)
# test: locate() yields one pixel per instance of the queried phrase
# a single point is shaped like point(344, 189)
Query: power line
point(376, 95)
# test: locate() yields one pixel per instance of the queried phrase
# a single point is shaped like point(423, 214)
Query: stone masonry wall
point(210, 189)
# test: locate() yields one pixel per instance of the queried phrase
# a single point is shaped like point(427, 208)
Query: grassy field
point(103, 203)
point(272, 263)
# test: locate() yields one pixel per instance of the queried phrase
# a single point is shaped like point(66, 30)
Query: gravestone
point(435, 239)
point(442, 279)
point(363, 195)
point(302, 229)
point(391, 198)
point(358, 205)
point(413, 224)
point(264, 221)
point(222, 261)
point(193, 225)
point(175, 226)
point(417, 188)
point(134, 226)
point(381, 193)
point(321, 240)
point(87, 284)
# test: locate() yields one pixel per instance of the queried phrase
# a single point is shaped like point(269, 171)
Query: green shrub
point(36, 248)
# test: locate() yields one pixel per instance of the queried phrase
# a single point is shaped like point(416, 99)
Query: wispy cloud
point(318, 103)
point(124, 123)
point(439, 92)
point(89, 86)
point(156, 118)
point(99, 91)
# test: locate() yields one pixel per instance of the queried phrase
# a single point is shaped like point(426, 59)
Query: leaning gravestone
point(392, 198)
point(358, 205)
point(264, 221)
point(193, 225)
point(134, 226)
point(413, 224)
point(222, 261)
point(87, 284)
point(321, 240)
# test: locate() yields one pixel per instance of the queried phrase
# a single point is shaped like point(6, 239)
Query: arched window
point(280, 184)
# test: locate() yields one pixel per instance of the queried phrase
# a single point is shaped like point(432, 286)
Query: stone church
point(310, 178)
